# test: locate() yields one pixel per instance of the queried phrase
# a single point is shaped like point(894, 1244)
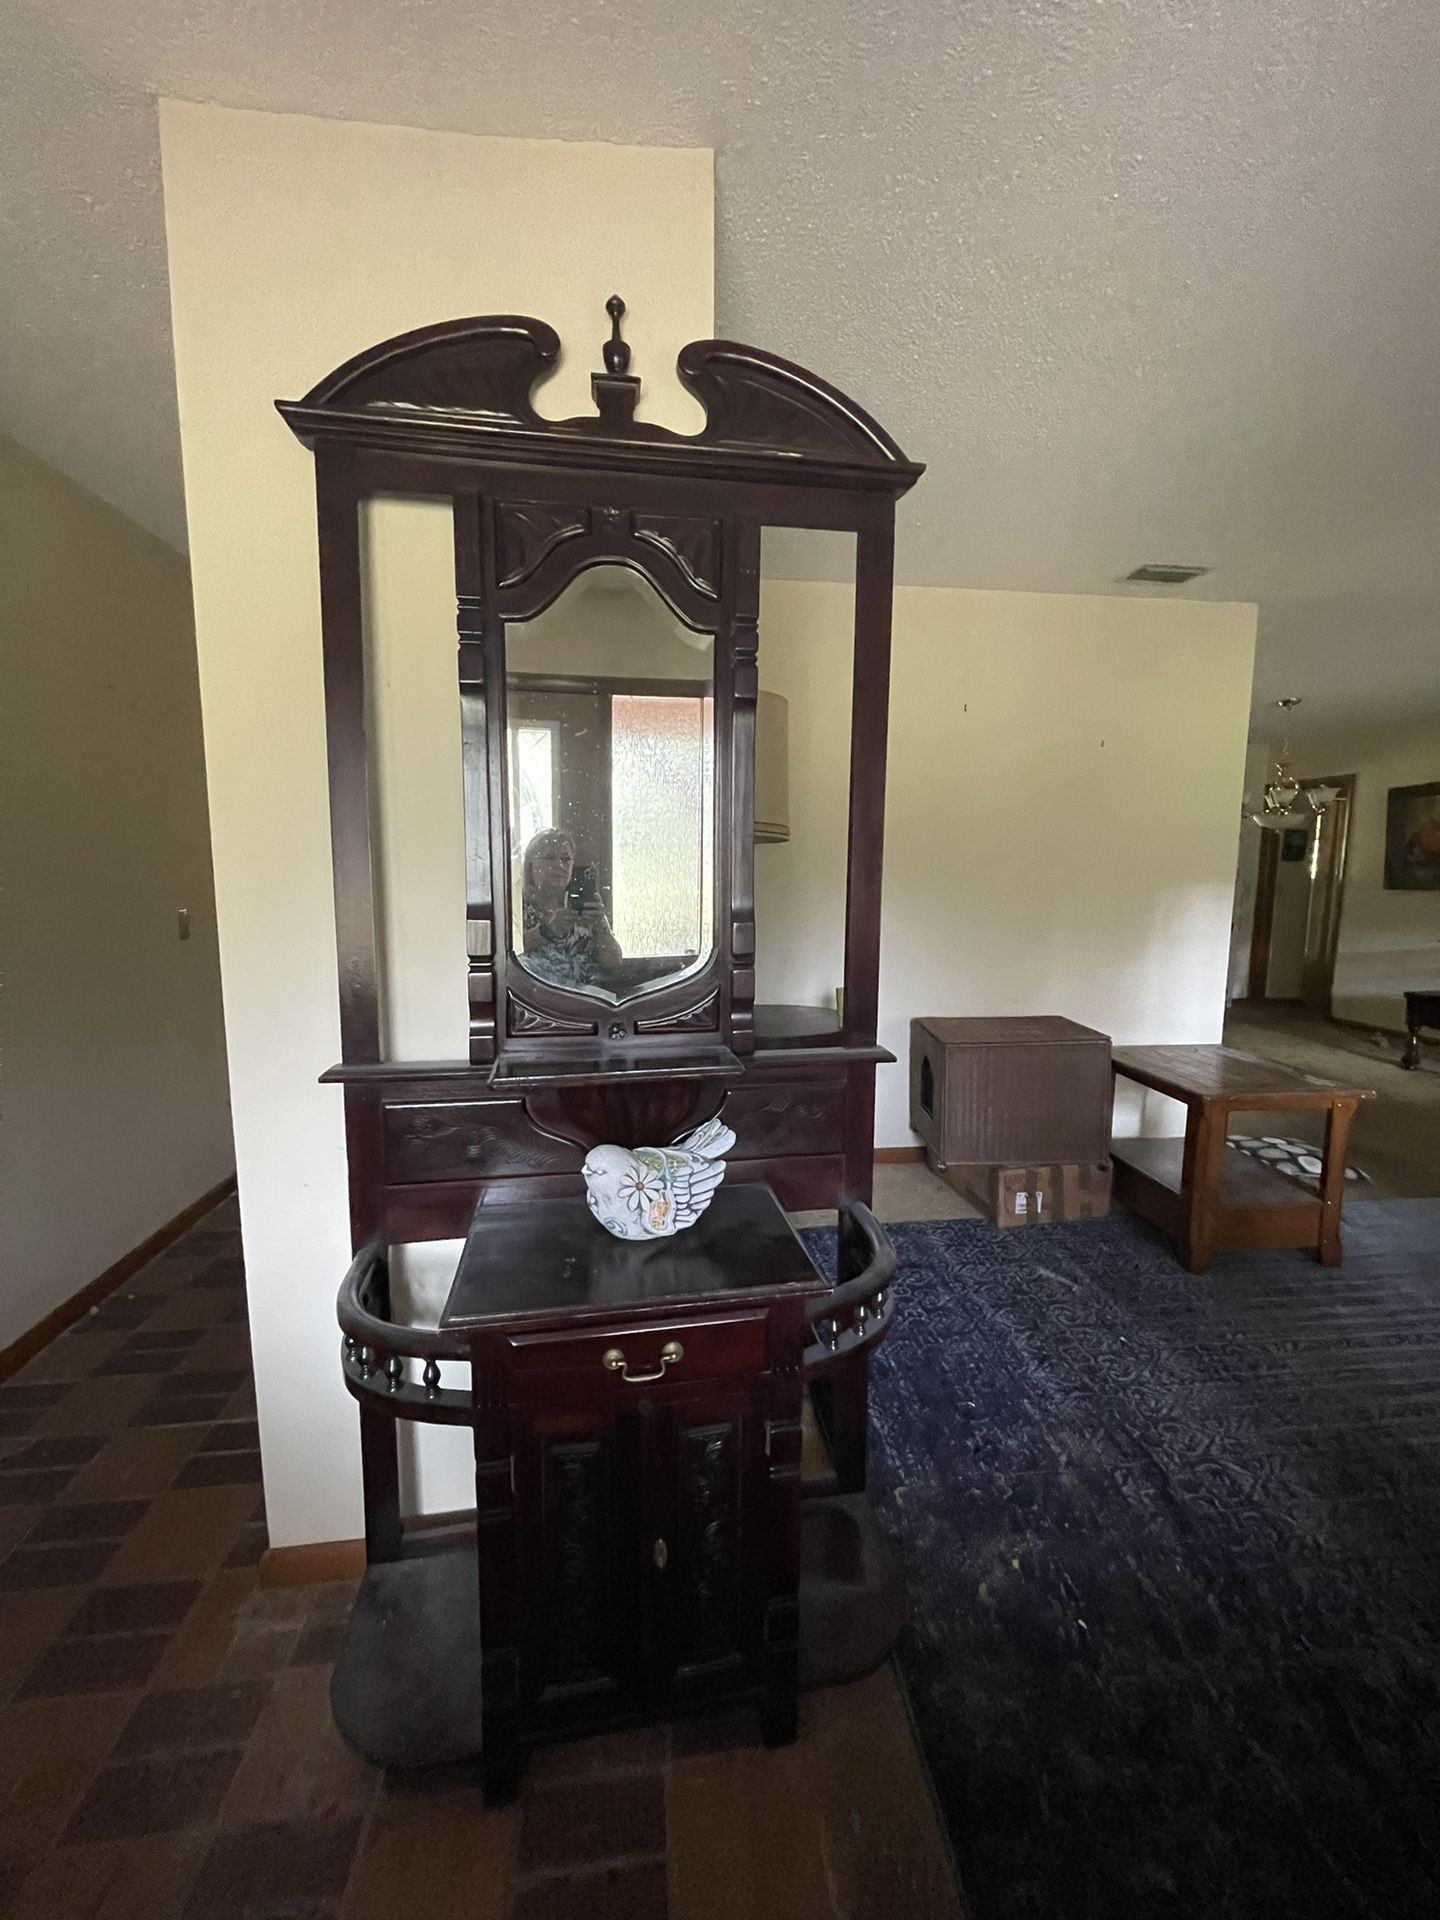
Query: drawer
point(468, 1140)
point(708, 1348)
point(787, 1117)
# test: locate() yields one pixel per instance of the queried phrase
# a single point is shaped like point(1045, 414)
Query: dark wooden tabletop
point(539, 1258)
point(1224, 1073)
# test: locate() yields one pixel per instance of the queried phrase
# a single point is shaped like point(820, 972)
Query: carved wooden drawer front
point(674, 1352)
point(469, 1139)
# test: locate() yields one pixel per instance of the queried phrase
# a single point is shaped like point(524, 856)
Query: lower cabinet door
point(704, 1504)
point(578, 1576)
point(640, 1554)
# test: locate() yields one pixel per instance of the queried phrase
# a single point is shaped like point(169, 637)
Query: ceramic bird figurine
point(648, 1193)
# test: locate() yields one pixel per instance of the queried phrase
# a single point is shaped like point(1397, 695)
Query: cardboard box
point(1034, 1196)
point(1085, 1191)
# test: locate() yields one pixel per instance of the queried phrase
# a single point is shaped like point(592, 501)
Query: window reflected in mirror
point(610, 789)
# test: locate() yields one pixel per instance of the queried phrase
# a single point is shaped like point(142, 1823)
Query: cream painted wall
point(113, 1113)
point(1064, 779)
point(293, 243)
point(1389, 940)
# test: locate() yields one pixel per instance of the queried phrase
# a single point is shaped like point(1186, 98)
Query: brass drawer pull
point(613, 1359)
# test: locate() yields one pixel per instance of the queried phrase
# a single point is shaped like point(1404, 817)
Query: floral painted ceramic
point(648, 1193)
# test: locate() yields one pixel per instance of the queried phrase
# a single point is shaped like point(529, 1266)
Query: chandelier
point(1285, 802)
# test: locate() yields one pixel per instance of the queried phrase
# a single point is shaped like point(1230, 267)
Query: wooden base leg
point(1332, 1181)
point(500, 1777)
point(780, 1718)
point(1410, 1058)
point(380, 1476)
point(1204, 1166)
point(842, 1406)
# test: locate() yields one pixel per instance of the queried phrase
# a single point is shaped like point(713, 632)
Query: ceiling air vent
point(1166, 574)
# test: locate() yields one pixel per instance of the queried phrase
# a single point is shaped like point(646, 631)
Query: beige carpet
point(905, 1192)
point(1396, 1137)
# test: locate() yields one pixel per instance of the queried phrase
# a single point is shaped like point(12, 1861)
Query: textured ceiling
point(1140, 279)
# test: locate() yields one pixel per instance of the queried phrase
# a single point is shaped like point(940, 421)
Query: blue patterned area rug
point(1173, 1555)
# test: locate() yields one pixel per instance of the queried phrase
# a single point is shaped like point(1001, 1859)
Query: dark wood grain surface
point(554, 1256)
point(1224, 1073)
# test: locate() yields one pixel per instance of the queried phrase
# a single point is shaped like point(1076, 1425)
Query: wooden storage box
point(1033, 1196)
point(1016, 1092)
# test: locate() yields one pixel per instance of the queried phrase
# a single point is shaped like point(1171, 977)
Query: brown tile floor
point(166, 1747)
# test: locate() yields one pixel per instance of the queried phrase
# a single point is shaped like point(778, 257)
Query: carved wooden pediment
point(443, 387)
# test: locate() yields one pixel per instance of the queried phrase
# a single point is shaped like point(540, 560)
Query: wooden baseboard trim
point(1337, 1020)
point(1374, 1026)
point(13, 1357)
point(898, 1156)
point(321, 1560)
point(310, 1566)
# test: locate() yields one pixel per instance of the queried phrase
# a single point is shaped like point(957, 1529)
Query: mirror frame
point(447, 410)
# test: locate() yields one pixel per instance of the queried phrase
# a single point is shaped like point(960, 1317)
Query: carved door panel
point(577, 1481)
point(705, 1486)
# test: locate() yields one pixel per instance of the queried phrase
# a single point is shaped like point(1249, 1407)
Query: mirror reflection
point(611, 789)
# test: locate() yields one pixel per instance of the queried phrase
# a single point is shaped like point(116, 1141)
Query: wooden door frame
point(1333, 893)
point(1262, 926)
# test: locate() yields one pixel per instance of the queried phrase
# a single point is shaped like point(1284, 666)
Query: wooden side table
point(1209, 1200)
point(1421, 1010)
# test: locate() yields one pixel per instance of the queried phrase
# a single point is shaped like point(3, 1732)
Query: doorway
point(1299, 891)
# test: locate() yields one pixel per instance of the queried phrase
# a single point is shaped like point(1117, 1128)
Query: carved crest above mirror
point(438, 387)
point(540, 547)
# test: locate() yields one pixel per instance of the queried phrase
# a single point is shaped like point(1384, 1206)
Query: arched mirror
point(610, 789)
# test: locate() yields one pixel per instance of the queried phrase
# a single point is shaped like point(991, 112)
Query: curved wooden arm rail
point(855, 1315)
point(376, 1350)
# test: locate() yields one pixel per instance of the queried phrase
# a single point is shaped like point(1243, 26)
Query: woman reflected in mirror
point(567, 938)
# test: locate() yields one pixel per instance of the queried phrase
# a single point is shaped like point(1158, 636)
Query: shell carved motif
point(526, 531)
point(703, 1017)
point(527, 1020)
point(694, 546)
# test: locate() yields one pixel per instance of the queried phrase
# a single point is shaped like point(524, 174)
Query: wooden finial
point(616, 351)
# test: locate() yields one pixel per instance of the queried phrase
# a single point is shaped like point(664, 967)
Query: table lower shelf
point(1244, 1180)
point(406, 1687)
point(1256, 1207)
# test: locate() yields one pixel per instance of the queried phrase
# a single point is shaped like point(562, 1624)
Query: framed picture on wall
point(1412, 838)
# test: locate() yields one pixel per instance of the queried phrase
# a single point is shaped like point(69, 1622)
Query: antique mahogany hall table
point(1210, 1200)
point(645, 1538)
